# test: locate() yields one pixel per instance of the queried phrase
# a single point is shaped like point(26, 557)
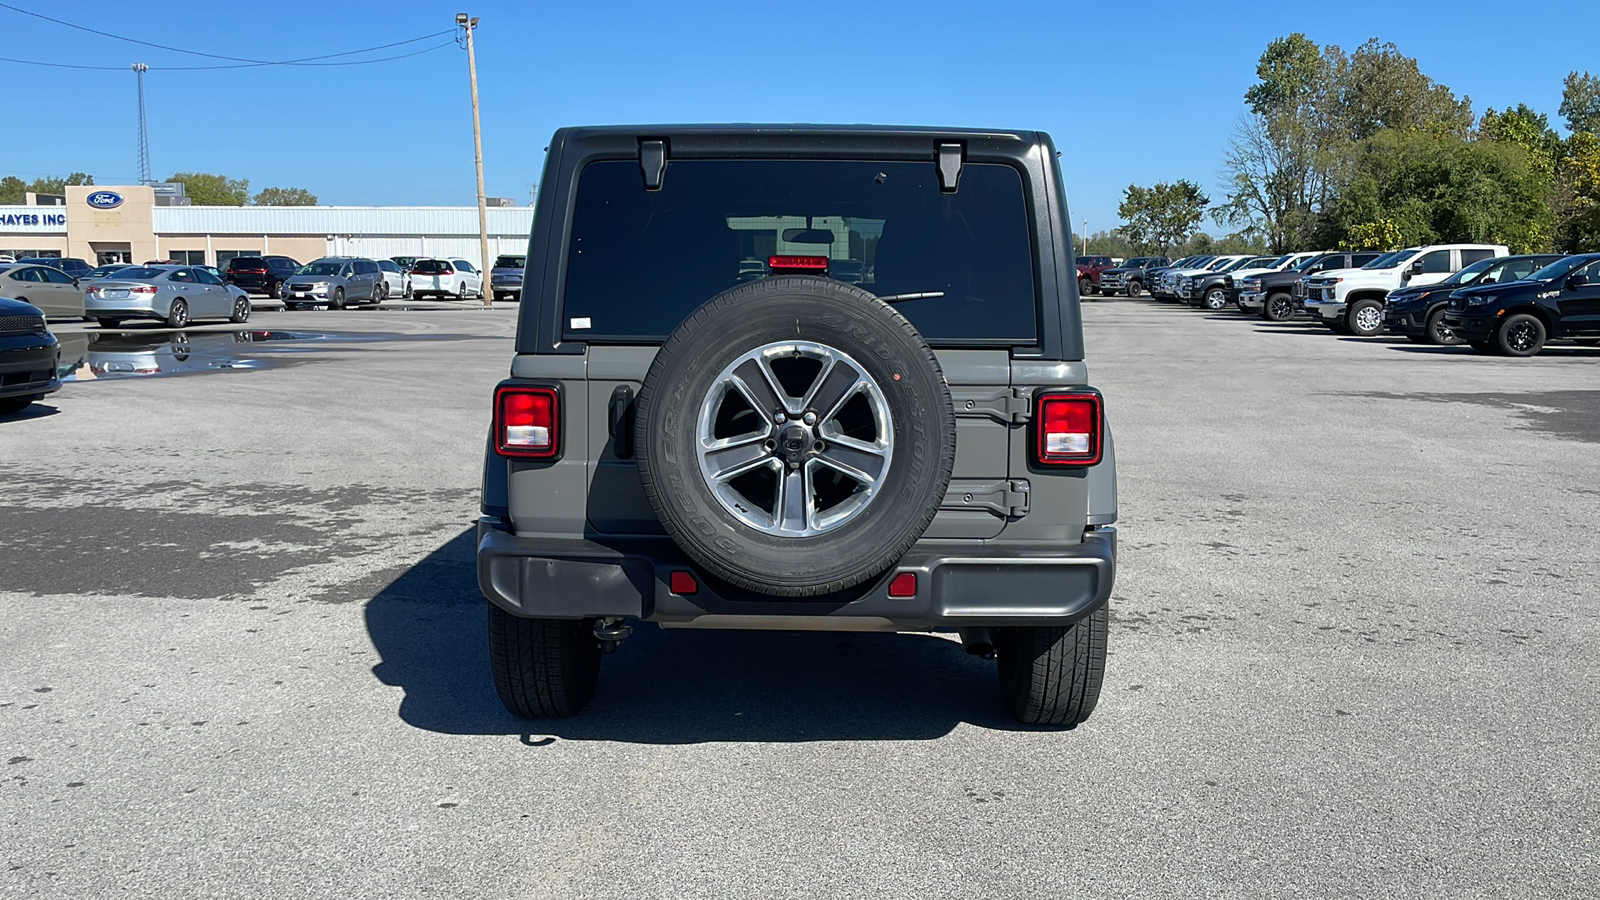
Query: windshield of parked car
point(431, 267)
point(1391, 260)
point(388, 265)
point(960, 265)
point(1471, 273)
point(1217, 265)
point(1560, 268)
point(324, 269)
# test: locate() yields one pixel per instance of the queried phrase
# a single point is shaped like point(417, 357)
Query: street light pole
point(469, 25)
point(1085, 237)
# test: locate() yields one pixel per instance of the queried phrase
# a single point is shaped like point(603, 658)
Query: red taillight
point(143, 289)
point(526, 421)
point(1068, 430)
point(248, 271)
point(683, 583)
point(797, 263)
point(903, 585)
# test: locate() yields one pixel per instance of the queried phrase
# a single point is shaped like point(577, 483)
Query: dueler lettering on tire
point(795, 436)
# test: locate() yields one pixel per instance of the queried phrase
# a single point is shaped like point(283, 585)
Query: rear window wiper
point(896, 298)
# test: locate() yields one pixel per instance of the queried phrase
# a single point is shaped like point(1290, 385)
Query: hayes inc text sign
point(32, 221)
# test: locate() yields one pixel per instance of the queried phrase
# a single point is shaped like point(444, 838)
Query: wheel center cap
point(793, 442)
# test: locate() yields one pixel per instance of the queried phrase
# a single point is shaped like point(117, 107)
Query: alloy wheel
point(795, 439)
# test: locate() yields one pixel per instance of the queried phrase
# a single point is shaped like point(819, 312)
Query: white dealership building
point(109, 224)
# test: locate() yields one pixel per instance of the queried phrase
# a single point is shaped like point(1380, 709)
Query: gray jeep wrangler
point(800, 378)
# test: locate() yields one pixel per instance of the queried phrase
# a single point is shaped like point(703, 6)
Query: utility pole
point(469, 25)
point(144, 133)
point(1085, 237)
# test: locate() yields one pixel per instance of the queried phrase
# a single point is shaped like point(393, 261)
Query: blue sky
point(1136, 96)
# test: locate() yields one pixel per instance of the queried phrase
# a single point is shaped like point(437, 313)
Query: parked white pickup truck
point(1350, 301)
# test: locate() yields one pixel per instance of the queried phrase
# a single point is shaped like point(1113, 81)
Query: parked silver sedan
point(175, 295)
point(52, 290)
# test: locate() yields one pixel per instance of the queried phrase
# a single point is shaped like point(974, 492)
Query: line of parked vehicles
point(176, 294)
point(1479, 295)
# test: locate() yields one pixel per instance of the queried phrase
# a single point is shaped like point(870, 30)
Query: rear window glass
point(884, 226)
point(140, 273)
point(431, 267)
point(247, 262)
point(511, 262)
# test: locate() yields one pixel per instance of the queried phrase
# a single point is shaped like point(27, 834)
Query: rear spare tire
point(795, 436)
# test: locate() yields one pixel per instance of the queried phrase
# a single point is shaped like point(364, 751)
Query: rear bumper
point(956, 586)
point(29, 365)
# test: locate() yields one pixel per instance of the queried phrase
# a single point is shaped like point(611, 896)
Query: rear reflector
point(683, 583)
point(797, 263)
point(526, 421)
point(903, 585)
point(1068, 427)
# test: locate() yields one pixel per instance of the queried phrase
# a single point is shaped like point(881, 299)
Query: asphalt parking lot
point(1354, 648)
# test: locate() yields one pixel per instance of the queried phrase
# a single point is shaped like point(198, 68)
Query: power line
point(306, 63)
point(309, 60)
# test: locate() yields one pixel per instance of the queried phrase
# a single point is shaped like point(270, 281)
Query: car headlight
point(1250, 284)
point(1480, 300)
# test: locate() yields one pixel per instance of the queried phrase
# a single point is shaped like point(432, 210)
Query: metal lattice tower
point(144, 133)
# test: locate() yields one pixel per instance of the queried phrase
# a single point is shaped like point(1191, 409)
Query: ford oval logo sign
point(105, 199)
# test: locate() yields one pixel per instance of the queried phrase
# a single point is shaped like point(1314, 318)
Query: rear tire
point(1051, 675)
point(543, 668)
point(1278, 308)
point(241, 311)
point(178, 314)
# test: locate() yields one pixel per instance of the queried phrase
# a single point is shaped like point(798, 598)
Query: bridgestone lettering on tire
point(811, 327)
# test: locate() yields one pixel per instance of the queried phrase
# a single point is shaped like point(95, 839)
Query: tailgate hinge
point(1009, 406)
point(1002, 498)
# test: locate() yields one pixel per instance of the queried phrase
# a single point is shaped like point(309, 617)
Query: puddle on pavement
point(123, 354)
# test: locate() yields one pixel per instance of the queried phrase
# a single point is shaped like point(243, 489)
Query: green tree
point(1527, 129)
point(276, 196)
point(1162, 216)
point(1580, 103)
point(213, 190)
point(1381, 89)
point(1431, 187)
point(13, 188)
point(1576, 203)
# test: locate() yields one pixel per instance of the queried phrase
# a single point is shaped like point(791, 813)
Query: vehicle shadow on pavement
point(34, 411)
point(677, 687)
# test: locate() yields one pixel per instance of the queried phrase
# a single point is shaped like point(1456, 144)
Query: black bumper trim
point(956, 585)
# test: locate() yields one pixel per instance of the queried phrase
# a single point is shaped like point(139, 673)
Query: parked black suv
point(703, 428)
point(260, 274)
point(71, 265)
point(1129, 278)
point(1418, 312)
point(1279, 296)
point(1560, 300)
